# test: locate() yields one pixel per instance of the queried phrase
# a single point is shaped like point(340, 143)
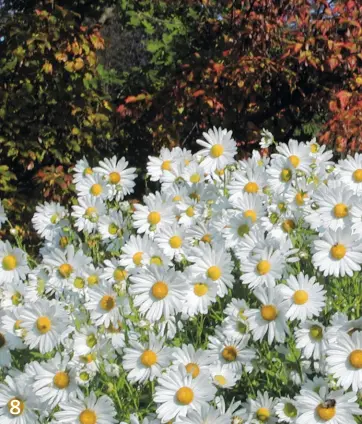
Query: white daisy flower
point(337, 253)
point(13, 263)
point(158, 291)
point(93, 185)
point(344, 358)
point(219, 149)
point(281, 175)
point(49, 219)
point(9, 340)
point(349, 172)
point(262, 268)
point(171, 240)
point(270, 317)
point(86, 410)
point(178, 393)
point(13, 295)
point(193, 173)
point(214, 264)
point(200, 295)
point(195, 361)
point(104, 305)
point(231, 352)
point(54, 381)
point(145, 362)
point(81, 170)
point(267, 139)
point(334, 205)
point(113, 229)
point(165, 162)
point(154, 215)
point(310, 337)
point(120, 179)
point(297, 154)
point(46, 324)
point(223, 376)
point(326, 407)
point(305, 297)
point(261, 409)
point(87, 213)
point(250, 180)
point(18, 404)
point(286, 410)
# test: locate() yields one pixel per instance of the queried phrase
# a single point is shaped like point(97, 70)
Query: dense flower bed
point(231, 295)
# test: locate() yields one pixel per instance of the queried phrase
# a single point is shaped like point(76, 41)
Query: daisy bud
point(13, 232)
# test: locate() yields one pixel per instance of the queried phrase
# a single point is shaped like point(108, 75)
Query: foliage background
point(126, 77)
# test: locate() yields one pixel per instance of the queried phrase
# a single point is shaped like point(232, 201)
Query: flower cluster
point(231, 294)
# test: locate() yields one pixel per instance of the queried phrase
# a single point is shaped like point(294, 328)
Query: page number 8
point(15, 407)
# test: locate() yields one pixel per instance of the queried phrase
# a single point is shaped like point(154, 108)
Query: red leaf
point(198, 93)
point(343, 97)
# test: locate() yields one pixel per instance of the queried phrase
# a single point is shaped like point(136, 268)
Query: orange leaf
point(343, 97)
point(198, 93)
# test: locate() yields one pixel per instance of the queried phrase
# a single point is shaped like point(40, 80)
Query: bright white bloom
point(219, 149)
point(349, 172)
point(49, 219)
point(326, 407)
point(87, 410)
point(207, 415)
point(286, 410)
point(13, 263)
point(297, 154)
point(344, 358)
point(178, 393)
point(310, 337)
point(93, 185)
point(261, 409)
point(267, 139)
point(269, 318)
point(338, 253)
point(145, 362)
point(305, 297)
point(88, 212)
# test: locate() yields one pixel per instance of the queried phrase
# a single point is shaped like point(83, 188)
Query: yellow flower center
point(90, 211)
point(288, 225)
point(300, 297)
point(314, 148)
point(185, 395)
point(88, 171)
point(263, 414)
point(166, 165)
point(282, 206)
point(243, 229)
point(195, 178)
point(63, 242)
point(214, 272)
point(112, 229)
point(91, 340)
point(206, 238)
point(43, 324)
point(229, 353)
point(88, 417)
point(114, 178)
point(137, 258)
point(316, 332)
point(156, 260)
point(190, 212)
point(148, 358)
point(338, 251)
point(9, 262)
point(251, 187)
point(19, 404)
point(217, 150)
point(269, 312)
point(250, 213)
point(357, 175)
point(154, 218)
point(193, 369)
point(175, 242)
point(294, 160)
point(65, 270)
point(16, 298)
point(263, 267)
point(355, 358)
point(107, 302)
point(324, 413)
point(160, 290)
point(220, 172)
point(79, 283)
point(286, 175)
point(177, 199)
point(120, 274)
point(2, 340)
point(340, 210)
point(93, 280)
point(299, 198)
point(200, 289)
point(220, 379)
point(61, 380)
point(96, 189)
